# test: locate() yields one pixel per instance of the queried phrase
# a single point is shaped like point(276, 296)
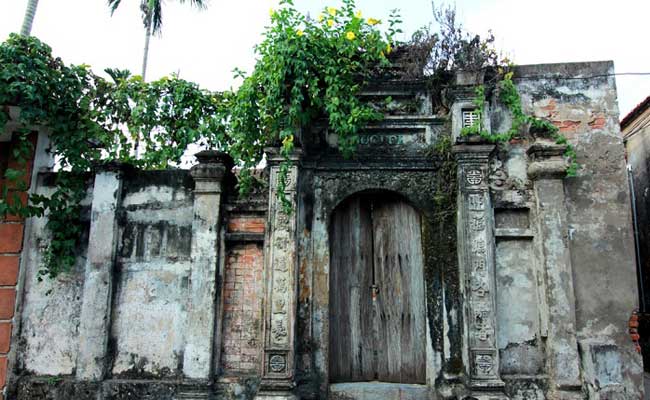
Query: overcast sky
point(205, 46)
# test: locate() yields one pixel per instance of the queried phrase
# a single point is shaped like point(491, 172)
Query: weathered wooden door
point(377, 306)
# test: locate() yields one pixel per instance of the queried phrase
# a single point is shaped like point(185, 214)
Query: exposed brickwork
point(11, 235)
point(9, 270)
point(243, 297)
point(5, 337)
point(634, 330)
point(12, 228)
point(7, 302)
point(246, 225)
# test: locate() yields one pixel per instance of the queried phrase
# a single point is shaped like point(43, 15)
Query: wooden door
point(377, 312)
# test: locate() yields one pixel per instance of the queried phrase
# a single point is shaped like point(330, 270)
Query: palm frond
point(156, 16)
point(200, 4)
point(113, 5)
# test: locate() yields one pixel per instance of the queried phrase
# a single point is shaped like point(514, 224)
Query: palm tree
point(26, 30)
point(152, 20)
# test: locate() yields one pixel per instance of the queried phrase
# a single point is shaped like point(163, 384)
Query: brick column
point(95, 320)
point(280, 260)
point(205, 296)
point(547, 171)
point(477, 268)
point(12, 229)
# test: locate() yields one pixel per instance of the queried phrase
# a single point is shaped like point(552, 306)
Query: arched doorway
point(377, 295)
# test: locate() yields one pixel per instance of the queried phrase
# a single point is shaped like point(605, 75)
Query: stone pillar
point(476, 250)
point(204, 292)
point(281, 291)
point(547, 171)
point(95, 321)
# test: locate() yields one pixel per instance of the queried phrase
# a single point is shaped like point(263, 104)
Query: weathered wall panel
point(152, 270)
point(600, 233)
point(517, 312)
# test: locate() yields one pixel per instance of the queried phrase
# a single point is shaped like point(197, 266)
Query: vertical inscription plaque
point(280, 264)
point(476, 256)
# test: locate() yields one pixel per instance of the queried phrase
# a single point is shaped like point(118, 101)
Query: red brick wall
point(242, 319)
point(246, 224)
point(243, 299)
point(11, 244)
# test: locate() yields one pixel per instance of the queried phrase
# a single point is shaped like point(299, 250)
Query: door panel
point(376, 244)
point(351, 319)
point(400, 302)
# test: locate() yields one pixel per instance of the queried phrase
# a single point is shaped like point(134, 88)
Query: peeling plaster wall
point(50, 309)
point(153, 265)
point(600, 232)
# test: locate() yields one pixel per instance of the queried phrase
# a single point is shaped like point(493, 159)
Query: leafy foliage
point(86, 116)
point(509, 96)
point(306, 69)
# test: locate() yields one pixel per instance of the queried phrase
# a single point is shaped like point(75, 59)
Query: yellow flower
point(330, 23)
point(271, 11)
point(320, 17)
point(382, 53)
point(299, 32)
point(358, 14)
point(350, 35)
point(331, 11)
point(287, 140)
point(372, 21)
point(388, 48)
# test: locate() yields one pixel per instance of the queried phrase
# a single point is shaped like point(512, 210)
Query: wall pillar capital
point(547, 161)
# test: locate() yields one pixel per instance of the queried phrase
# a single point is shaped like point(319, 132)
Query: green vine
point(509, 96)
point(306, 70)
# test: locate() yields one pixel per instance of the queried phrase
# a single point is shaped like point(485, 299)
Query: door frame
point(367, 199)
point(324, 188)
point(320, 319)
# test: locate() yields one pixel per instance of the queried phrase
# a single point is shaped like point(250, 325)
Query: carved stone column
point(281, 285)
point(547, 171)
point(95, 320)
point(208, 178)
point(477, 266)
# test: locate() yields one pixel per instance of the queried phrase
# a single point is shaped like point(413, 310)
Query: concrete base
point(276, 396)
point(377, 390)
point(489, 396)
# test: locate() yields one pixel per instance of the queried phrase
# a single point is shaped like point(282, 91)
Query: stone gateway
point(430, 265)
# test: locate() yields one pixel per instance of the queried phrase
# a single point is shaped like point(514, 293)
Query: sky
point(206, 46)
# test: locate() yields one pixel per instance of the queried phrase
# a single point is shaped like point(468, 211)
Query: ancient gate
point(377, 306)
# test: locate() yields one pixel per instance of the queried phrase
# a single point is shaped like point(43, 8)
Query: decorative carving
point(478, 265)
point(497, 178)
point(476, 202)
point(279, 330)
point(279, 304)
point(480, 286)
point(485, 333)
point(281, 286)
point(281, 218)
point(484, 363)
point(381, 140)
point(474, 177)
point(477, 222)
point(478, 246)
point(277, 363)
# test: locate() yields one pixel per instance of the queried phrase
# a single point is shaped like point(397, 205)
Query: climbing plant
point(306, 70)
point(509, 96)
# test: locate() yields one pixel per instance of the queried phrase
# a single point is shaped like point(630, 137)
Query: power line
point(581, 77)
